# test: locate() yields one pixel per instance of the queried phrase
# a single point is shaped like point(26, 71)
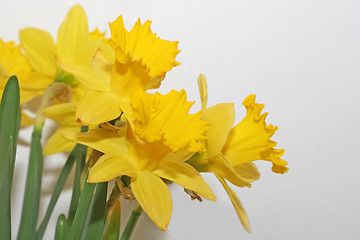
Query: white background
point(301, 58)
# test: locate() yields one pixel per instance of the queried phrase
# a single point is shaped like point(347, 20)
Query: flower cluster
point(143, 139)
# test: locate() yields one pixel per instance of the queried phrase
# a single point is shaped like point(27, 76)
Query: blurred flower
point(75, 45)
point(13, 62)
point(142, 60)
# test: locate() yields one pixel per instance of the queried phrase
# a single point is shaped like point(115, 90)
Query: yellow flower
point(231, 150)
point(13, 62)
point(146, 163)
point(161, 138)
point(140, 44)
point(142, 61)
point(74, 46)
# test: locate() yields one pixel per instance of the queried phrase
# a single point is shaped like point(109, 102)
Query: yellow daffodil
point(146, 163)
point(142, 60)
point(141, 45)
point(163, 136)
point(231, 150)
point(74, 45)
point(13, 62)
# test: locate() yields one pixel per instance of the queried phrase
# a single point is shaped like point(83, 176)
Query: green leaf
point(79, 224)
point(97, 219)
point(9, 121)
point(62, 228)
point(112, 231)
point(5, 199)
point(9, 129)
point(80, 163)
point(32, 189)
point(130, 226)
point(65, 172)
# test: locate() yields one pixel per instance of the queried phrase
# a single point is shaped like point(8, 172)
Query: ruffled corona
point(141, 44)
point(157, 116)
point(250, 140)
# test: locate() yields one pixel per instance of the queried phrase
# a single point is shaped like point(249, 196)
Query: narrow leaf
point(9, 129)
point(9, 121)
point(130, 226)
point(112, 231)
point(32, 189)
point(78, 226)
point(80, 163)
point(5, 199)
point(62, 228)
point(97, 219)
point(65, 172)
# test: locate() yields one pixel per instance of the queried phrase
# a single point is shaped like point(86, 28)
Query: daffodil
point(13, 62)
point(142, 60)
point(231, 150)
point(74, 45)
point(162, 138)
point(146, 163)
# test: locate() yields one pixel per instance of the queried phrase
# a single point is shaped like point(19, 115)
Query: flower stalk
point(130, 226)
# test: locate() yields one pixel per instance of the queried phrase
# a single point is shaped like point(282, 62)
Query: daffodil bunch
point(121, 136)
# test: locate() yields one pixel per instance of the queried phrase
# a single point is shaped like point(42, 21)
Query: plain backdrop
point(300, 57)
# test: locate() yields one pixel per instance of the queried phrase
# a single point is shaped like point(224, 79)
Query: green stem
point(31, 202)
point(80, 222)
point(57, 190)
point(76, 191)
point(135, 214)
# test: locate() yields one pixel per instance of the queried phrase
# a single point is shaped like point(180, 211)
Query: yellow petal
point(140, 44)
point(166, 117)
point(222, 167)
point(248, 171)
point(56, 143)
point(237, 205)
point(145, 155)
point(184, 175)
point(127, 78)
point(13, 62)
point(250, 139)
point(97, 34)
point(40, 50)
point(154, 197)
point(221, 118)
point(73, 34)
point(86, 75)
point(109, 166)
point(62, 113)
point(203, 91)
point(99, 139)
point(25, 119)
point(37, 81)
point(98, 107)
